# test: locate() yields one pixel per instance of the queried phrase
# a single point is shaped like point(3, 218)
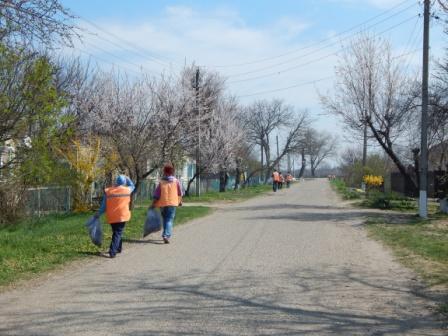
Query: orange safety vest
point(288, 178)
point(168, 194)
point(117, 204)
point(276, 177)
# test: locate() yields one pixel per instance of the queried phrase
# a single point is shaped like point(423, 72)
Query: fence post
point(38, 202)
point(67, 209)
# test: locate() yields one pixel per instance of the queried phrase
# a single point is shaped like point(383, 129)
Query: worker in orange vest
point(167, 196)
point(275, 180)
point(115, 203)
point(281, 179)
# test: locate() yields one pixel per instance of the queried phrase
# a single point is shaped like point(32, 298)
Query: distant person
point(288, 180)
point(275, 180)
point(115, 203)
point(167, 196)
point(281, 180)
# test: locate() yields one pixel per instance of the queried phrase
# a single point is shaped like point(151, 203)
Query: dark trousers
point(274, 186)
point(116, 243)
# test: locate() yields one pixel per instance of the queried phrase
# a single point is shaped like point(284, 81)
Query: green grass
point(389, 201)
point(419, 244)
point(346, 192)
point(32, 247)
point(230, 195)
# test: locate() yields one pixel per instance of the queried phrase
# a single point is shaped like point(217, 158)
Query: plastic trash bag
point(153, 222)
point(95, 230)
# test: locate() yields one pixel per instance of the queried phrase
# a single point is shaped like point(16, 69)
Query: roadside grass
point(230, 195)
point(346, 192)
point(421, 245)
point(213, 196)
point(35, 246)
point(380, 200)
point(389, 201)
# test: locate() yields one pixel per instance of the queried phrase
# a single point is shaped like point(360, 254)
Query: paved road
point(291, 263)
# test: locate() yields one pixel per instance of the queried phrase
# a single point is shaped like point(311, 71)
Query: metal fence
point(45, 200)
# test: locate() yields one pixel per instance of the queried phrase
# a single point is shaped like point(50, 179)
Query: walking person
point(281, 179)
point(115, 204)
point(167, 196)
point(275, 180)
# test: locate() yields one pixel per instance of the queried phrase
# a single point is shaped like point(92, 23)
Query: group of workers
point(167, 196)
point(116, 204)
point(278, 180)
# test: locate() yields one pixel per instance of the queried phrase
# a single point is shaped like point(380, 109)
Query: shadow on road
point(236, 303)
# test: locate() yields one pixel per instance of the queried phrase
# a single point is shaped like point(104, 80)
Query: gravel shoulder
point(287, 263)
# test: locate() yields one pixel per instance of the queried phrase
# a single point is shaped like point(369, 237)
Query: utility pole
point(423, 197)
point(198, 147)
point(262, 165)
point(278, 154)
point(364, 147)
point(293, 169)
point(289, 162)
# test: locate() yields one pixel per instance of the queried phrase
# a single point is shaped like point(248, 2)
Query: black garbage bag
point(95, 229)
point(153, 222)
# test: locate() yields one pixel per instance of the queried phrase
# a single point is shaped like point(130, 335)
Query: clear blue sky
point(267, 35)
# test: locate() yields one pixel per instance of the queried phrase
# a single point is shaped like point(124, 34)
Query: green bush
point(347, 193)
point(380, 200)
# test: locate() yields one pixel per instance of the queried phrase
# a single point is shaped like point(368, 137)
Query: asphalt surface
point(296, 262)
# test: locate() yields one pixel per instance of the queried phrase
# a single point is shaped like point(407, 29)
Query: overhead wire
point(316, 50)
point(316, 59)
point(409, 50)
point(318, 42)
point(138, 49)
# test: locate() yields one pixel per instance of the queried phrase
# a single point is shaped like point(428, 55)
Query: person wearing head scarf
point(115, 204)
point(167, 196)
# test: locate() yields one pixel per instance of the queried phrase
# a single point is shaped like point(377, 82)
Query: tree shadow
point(143, 241)
point(299, 302)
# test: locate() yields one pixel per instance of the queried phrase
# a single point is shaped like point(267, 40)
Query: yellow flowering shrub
point(373, 181)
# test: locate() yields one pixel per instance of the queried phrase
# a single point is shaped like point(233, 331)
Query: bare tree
point(319, 146)
point(264, 117)
point(42, 21)
point(372, 89)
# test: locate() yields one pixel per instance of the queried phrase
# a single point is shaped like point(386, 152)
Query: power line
point(319, 42)
point(124, 60)
point(107, 61)
point(286, 88)
point(276, 73)
point(138, 49)
point(313, 51)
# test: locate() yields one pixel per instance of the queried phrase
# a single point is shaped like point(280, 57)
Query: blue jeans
point(168, 214)
point(116, 243)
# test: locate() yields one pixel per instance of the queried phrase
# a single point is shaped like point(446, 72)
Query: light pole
point(198, 146)
point(423, 198)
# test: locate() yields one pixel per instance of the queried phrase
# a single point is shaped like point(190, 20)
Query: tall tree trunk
point(222, 181)
point(394, 158)
point(237, 179)
point(187, 191)
point(302, 168)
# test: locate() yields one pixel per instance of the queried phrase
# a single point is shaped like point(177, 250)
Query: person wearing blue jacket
point(115, 204)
